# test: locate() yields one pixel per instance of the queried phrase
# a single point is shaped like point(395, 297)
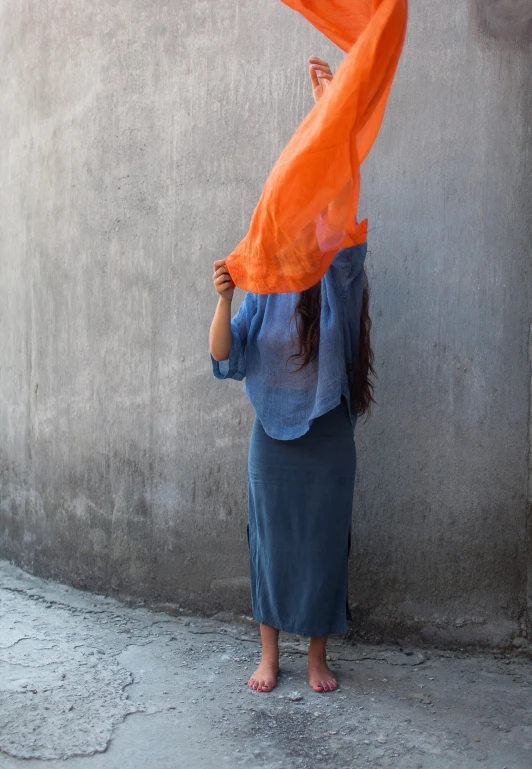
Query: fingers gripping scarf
point(307, 208)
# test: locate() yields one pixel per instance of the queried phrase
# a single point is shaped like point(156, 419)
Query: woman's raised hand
point(222, 280)
point(320, 76)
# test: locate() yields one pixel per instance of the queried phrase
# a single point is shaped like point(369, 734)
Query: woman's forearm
point(220, 333)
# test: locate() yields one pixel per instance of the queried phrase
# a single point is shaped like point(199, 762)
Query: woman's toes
point(321, 678)
point(258, 682)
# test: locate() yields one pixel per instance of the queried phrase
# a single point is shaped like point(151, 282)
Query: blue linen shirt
point(264, 335)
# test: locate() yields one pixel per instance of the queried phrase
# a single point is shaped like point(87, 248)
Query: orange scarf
point(307, 208)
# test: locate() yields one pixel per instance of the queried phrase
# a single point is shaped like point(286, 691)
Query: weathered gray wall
point(136, 139)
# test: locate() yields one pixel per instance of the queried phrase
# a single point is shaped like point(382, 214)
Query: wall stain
point(507, 21)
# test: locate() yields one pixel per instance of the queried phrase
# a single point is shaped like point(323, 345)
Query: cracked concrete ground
point(88, 681)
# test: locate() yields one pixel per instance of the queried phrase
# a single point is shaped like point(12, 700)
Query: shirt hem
point(299, 434)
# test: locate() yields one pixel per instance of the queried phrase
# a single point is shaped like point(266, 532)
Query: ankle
point(317, 659)
point(317, 653)
point(270, 655)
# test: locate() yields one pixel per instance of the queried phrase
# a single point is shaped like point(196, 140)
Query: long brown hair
point(307, 315)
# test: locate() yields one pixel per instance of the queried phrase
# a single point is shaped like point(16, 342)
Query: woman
point(307, 360)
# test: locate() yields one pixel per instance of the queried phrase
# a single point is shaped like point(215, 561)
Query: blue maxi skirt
point(300, 500)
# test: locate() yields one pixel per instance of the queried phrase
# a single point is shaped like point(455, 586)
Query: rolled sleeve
point(235, 366)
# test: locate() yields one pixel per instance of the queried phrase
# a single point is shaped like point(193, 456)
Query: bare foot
point(320, 676)
point(264, 679)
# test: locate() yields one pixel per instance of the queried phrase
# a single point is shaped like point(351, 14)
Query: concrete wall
point(136, 139)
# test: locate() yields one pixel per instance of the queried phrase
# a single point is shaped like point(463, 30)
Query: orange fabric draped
point(307, 208)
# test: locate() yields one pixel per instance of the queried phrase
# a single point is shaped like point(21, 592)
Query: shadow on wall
point(509, 21)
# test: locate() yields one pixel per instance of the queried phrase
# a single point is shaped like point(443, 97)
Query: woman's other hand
point(320, 76)
point(222, 280)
